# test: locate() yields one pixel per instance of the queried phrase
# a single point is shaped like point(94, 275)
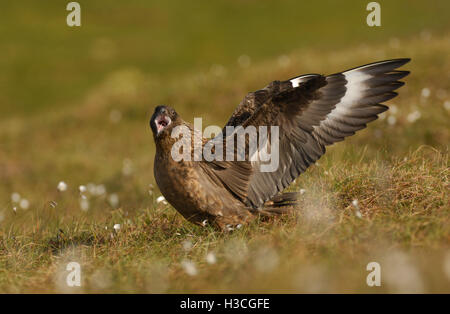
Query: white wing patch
point(300, 79)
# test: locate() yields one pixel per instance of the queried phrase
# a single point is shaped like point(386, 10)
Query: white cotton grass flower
point(187, 245)
point(113, 200)
point(84, 204)
point(392, 120)
point(355, 205)
point(15, 209)
point(425, 92)
point(24, 203)
point(100, 190)
point(127, 167)
point(161, 199)
point(244, 61)
point(82, 188)
point(447, 105)
point(414, 116)
point(302, 191)
point(393, 109)
point(117, 227)
point(15, 197)
point(91, 188)
point(211, 258)
point(62, 186)
point(189, 267)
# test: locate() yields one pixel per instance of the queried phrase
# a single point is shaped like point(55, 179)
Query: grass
point(397, 169)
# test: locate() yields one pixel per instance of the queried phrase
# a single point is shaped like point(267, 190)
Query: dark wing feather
point(313, 111)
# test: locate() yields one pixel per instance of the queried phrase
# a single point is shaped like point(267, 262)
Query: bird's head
point(163, 119)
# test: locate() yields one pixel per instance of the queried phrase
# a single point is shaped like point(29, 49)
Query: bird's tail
point(280, 204)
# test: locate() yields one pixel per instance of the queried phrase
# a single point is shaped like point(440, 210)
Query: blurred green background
point(46, 65)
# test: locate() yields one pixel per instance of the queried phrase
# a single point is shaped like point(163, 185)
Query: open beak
point(161, 122)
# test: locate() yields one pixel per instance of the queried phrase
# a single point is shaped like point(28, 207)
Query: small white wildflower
point(238, 226)
point(24, 204)
point(189, 267)
point(392, 120)
point(355, 204)
point(82, 188)
point(211, 258)
point(100, 190)
point(414, 116)
point(244, 61)
point(187, 245)
point(84, 204)
point(15, 197)
point(91, 188)
point(113, 200)
point(115, 116)
point(161, 199)
point(393, 109)
point(117, 227)
point(127, 167)
point(426, 92)
point(15, 209)
point(447, 105)
point(302, 191)
point(62, 186)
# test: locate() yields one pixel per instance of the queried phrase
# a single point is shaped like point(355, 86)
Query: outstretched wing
point(313, 111)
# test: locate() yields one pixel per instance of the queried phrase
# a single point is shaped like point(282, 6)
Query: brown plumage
point(312, 111)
